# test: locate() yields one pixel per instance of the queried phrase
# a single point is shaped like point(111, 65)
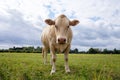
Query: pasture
point(29, 66)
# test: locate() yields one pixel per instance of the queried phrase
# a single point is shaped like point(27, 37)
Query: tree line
point(38, 49)
point(104, 51)
point(29, 49)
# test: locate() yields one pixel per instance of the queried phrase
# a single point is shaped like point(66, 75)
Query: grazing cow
point(57, 36)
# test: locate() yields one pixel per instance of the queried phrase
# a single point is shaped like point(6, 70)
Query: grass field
point(23, 66)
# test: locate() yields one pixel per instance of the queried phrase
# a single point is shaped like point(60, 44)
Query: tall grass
point(17, 66)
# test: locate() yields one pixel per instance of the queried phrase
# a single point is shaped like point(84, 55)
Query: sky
point(22, 21)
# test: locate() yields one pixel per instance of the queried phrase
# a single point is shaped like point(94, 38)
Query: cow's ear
point(49, 22)
point(74, 22)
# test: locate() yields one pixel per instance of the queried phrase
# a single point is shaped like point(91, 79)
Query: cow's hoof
point(52, 72)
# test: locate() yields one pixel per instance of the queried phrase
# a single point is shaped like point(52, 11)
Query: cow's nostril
point(64, 40)
point(61, 40)
point(58, 40)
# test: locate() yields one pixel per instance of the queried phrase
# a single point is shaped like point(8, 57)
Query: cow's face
point(62, 28)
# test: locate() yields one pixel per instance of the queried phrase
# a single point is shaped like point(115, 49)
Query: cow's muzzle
point(61, 40)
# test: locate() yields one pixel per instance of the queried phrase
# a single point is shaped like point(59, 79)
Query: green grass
point(23, 66)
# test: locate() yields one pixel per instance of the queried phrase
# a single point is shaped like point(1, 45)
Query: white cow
point(57, 36)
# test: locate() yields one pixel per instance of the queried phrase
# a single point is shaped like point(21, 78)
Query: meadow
point(29, 66)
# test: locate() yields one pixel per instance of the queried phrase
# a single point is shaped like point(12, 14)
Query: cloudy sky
point(22, 21)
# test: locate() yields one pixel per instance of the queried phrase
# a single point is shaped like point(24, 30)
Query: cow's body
point(57, 36)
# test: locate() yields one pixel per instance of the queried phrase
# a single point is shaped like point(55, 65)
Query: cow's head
point(62, 27)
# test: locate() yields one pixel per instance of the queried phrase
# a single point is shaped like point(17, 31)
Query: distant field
point(29, 66)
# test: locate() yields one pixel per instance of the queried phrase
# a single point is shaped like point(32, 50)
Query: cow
point(56, 37)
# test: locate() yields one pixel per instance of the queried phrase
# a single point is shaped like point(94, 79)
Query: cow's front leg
point(53, 58)
point(53, 63)
point(44, 54)
point(67, 69)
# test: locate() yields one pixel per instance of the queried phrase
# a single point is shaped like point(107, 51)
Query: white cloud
point(99, 21)
point(17, 30)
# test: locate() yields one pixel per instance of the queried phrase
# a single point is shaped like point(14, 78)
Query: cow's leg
point(53, 63)
point(53, 58)
point(66, 63)
point(66, 59)
point(44, 54)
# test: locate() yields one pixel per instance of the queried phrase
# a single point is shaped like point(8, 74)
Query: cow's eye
point(56, 26)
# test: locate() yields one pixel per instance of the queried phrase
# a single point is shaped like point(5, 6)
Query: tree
point(38, 50)
point(91, 50)
point(94, 50)
point(75, 50)
point(115, 51)
point(105, 51)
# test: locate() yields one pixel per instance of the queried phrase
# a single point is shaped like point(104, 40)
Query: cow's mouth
point(61, 43)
